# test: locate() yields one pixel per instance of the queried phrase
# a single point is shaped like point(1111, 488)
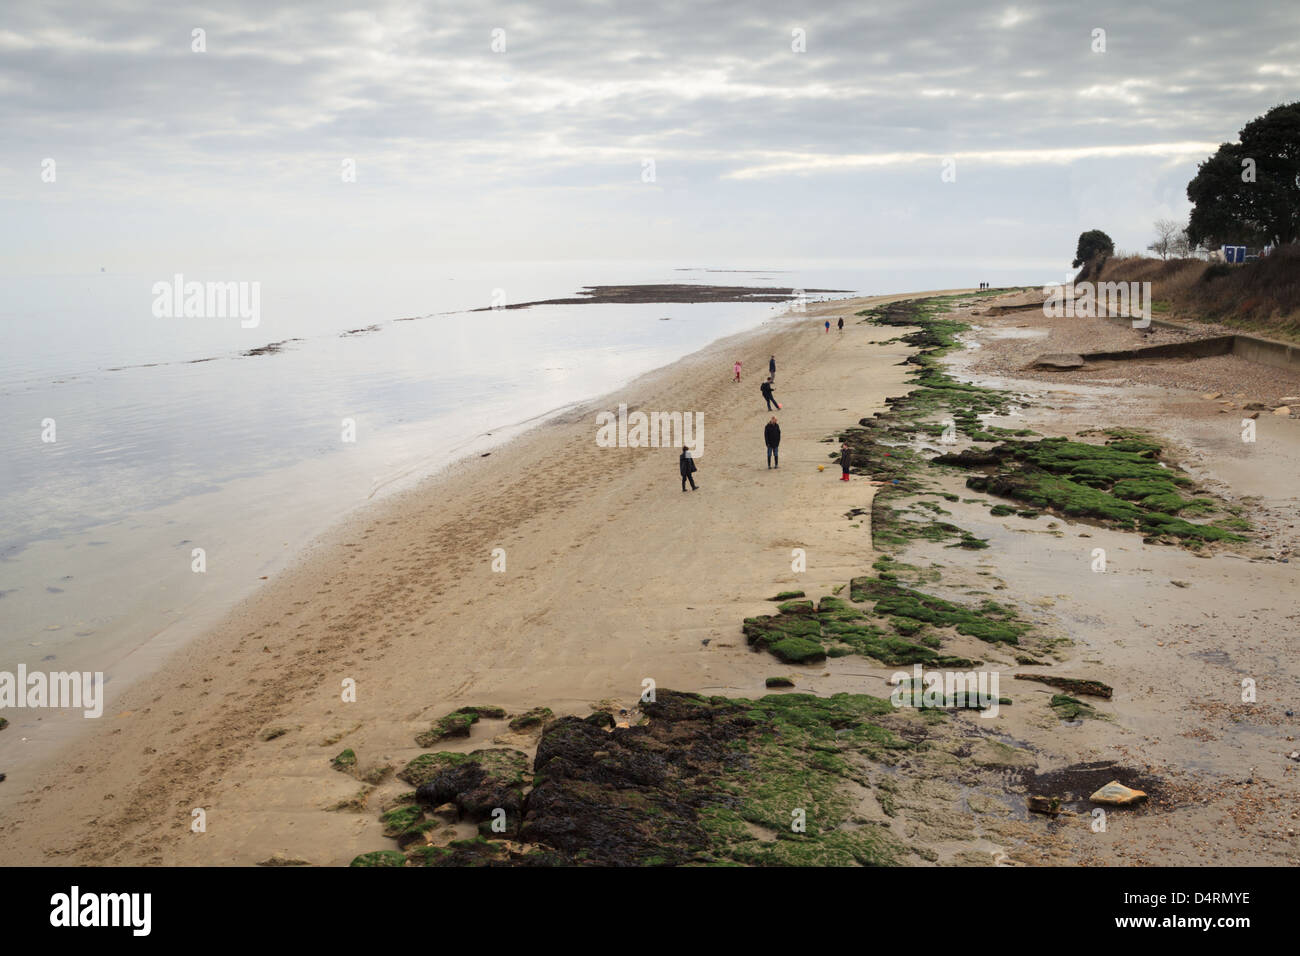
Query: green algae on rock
point(802, 634)
point(530, 719)
point(457, 724)
point(1091, 688)
point(883, 446)
point(485, 783)
point(1123, 484)
point(345, 761)
point(380, 858)
point(1070, 708)
point(397, 820)
point(706, 781)
point(990, 622)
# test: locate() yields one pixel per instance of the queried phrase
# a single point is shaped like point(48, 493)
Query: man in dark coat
point(766, 389)
point(772, 435)
point(686, 464)
point(846, 461)
point(771, 368)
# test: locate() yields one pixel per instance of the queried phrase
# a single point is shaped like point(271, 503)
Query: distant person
point(686, 464)
point(772, 435)
point(828, 325)
point(841, 324)
point(736, 368)
point(771, 368)
point(766, 389)
point(846, 461)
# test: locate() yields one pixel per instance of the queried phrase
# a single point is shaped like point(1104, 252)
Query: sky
point(699, 132)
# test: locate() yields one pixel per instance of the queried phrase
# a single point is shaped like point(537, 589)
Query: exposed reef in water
point(671, 292)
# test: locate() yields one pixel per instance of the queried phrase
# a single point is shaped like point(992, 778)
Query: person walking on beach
point(736, 368)
point(686, 464)
point(771, 369)
point(772, 435)
point(766, 389)
point(846, 461)
point(841, 324)
point(828, 325)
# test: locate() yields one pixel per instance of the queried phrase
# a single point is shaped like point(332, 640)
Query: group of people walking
point(771, 431)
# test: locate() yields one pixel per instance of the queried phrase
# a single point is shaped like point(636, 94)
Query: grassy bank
point(1261, 297)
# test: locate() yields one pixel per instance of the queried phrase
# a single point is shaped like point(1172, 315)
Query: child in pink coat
point(736, 368)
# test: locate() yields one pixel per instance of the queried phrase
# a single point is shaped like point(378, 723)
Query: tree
point(1249, 192)
point(1180, 246)
point(1167, 231)
point(1092, 243)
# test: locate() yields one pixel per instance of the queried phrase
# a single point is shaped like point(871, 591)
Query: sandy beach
point(613, 576)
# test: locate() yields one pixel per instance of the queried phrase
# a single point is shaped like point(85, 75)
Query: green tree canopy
point(1249, 192)
point(1092, 243)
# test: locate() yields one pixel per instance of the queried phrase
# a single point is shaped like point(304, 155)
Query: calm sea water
point(168, 439)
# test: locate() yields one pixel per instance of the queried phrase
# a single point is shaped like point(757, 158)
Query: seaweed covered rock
point(698, 782)
point(1070, 708)
point(530, 719)
point(407, 824)
point(989, 621)
point(457, 724)
point(380, 858)
point(686, 786)
point(1122, 483)
point(476, 852)
point(802, 634)
point(346, 761)
point(630, 796)
point(1072, 685)
point(477, 783)
point(793, 634)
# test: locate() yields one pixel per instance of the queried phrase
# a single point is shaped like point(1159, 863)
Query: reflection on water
point(168, 437)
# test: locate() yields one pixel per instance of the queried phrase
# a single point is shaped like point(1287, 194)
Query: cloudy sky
point(235, 155)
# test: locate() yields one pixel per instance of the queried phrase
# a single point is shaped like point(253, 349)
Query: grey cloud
point(586, 89)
